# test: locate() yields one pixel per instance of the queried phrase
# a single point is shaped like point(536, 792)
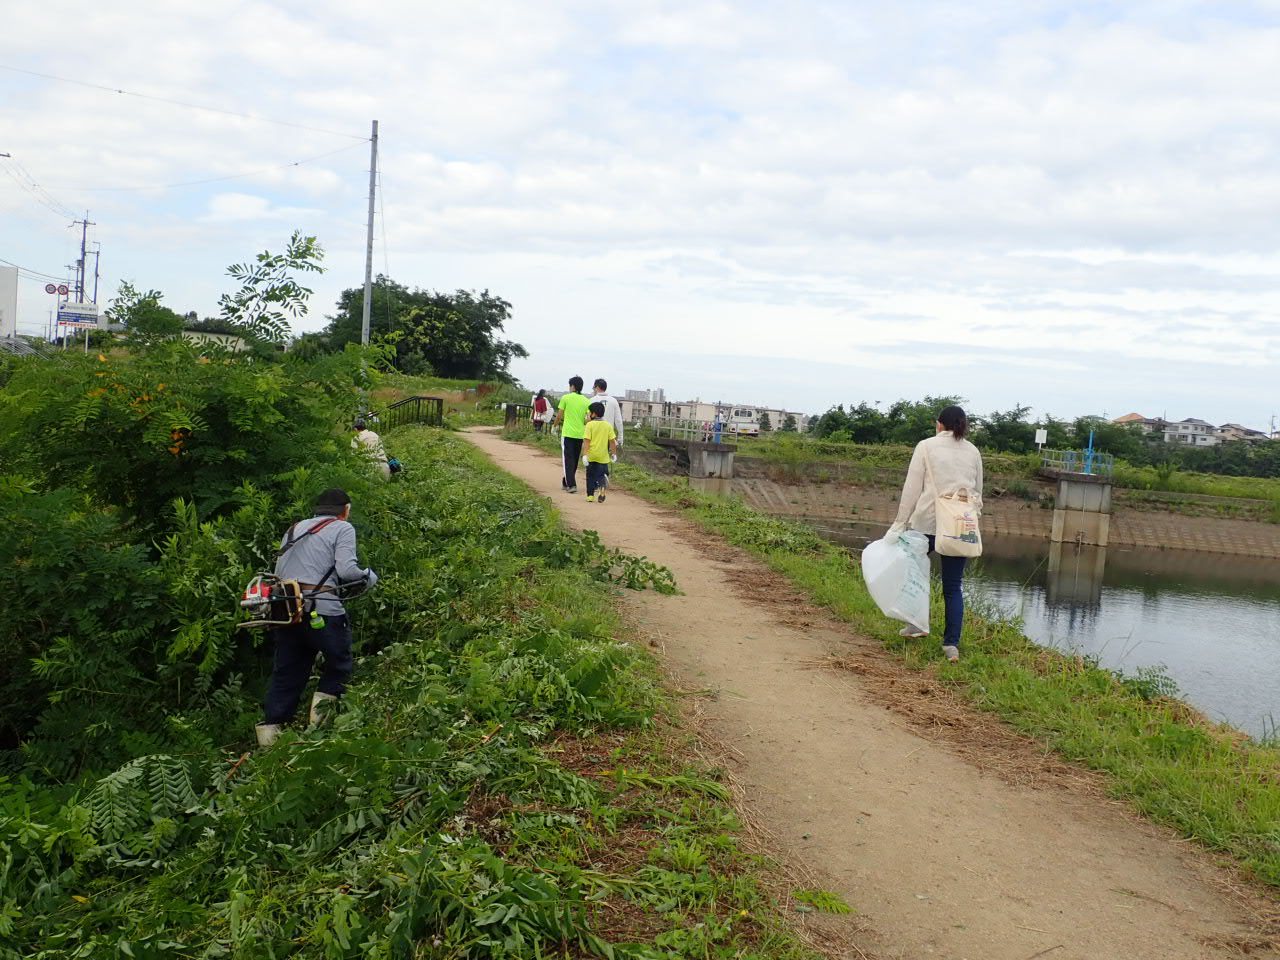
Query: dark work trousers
point(952, 596)
point(572, 447)
point(296, 649)
point(597, 477)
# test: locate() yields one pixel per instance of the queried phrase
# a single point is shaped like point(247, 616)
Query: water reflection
point(1212, 620)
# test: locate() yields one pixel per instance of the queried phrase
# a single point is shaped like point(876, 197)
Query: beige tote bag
point(956, 531)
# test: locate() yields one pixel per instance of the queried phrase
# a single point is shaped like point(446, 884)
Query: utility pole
point(85, 224)
point(368, 248)
point(97, 256)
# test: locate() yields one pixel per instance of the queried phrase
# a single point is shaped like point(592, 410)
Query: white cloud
point(800, 183)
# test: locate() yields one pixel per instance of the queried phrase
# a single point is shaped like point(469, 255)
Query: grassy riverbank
point(506, 777)
point(1206, 781)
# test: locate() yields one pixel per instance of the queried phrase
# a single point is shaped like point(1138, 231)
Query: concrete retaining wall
point(1013, 516)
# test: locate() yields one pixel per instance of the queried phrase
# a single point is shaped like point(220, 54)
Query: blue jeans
point(296, 649)
point(952, 596)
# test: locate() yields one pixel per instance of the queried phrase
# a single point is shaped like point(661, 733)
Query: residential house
point(1193, 431)
point(1233, 431)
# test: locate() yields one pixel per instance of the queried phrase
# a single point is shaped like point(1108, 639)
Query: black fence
point(516, 414)
point(428, 410)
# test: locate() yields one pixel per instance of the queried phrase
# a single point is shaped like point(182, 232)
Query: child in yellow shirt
point(599, 448)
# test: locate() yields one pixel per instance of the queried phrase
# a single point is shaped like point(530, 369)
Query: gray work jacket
point(322, 559)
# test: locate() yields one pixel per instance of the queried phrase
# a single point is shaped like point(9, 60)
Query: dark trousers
point(572, 447)
point(296, 649)
point(538, 425)
point(597, 477)
point(952, 596)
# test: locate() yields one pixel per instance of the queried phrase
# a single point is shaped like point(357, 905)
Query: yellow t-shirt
point(599, 433)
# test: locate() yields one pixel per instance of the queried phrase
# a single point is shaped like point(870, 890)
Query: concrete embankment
point(818, 491)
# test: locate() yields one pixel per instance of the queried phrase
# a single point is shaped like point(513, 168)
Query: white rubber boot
point(317, 699)
point(267, 733)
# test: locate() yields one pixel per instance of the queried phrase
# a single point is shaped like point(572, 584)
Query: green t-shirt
point(574, 406)
point(600, 432)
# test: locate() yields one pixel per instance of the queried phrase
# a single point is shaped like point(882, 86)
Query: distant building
point(739, 418)
point(1192, 431)
point(656, 395)
point(1233, 431)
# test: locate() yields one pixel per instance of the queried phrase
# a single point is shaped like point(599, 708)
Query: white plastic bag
point(896, 570)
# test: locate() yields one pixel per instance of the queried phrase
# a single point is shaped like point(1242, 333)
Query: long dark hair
point(954, 419)
point(541, 394)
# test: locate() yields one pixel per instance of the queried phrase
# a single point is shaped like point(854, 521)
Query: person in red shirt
point(541, 411)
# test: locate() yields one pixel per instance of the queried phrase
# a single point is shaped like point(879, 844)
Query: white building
point(739, 417)
point(1193, 431)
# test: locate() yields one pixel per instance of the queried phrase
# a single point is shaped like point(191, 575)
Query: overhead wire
point(183, 103)
point(33, 274)
point(29, 183)
point(232, 176)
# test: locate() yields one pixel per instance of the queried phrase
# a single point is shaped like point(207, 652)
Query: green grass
point(1205, 484)
point(1205, 781)
point(505, 779)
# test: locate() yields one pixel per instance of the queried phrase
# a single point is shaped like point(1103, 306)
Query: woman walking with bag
point(942, 498)
point(541, 411)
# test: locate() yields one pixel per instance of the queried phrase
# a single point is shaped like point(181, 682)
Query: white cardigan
point(954, 465)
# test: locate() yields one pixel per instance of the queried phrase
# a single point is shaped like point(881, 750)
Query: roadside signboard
point(50, 288)
point(78, 314)
point(89, 324)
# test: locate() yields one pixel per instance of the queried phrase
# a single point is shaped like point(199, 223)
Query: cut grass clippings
point(1209, 782)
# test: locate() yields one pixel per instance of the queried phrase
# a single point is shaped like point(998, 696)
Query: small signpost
point(1042, 437)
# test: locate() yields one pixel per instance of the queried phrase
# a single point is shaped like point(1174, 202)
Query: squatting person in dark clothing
point(320, 554)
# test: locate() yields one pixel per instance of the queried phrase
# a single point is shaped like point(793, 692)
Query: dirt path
point(943, 856)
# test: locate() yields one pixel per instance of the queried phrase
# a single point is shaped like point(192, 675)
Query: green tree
point(1006, 431)
point(765, 423)
point(451, 335)
point(909, 422)
point(144, 319)
point(788, 424)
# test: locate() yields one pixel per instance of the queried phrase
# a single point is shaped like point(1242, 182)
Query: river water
point(1211, 620)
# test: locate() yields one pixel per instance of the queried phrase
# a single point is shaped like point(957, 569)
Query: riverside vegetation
point(1208, 782)
point(505, 778)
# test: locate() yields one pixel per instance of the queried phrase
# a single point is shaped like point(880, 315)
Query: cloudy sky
point(1072, 206)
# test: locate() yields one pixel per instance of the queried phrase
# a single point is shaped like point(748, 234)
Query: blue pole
point(1088, 457)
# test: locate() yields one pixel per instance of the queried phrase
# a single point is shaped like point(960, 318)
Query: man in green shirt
point(571, 419)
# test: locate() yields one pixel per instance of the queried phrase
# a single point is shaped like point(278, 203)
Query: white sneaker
point(267, 733)
point(316, 700)
point(912, 632)
point(952, 653)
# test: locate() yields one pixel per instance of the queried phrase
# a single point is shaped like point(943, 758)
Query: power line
point(32, 274)
point(29, 184)
point(182, 103)
point(233, 176)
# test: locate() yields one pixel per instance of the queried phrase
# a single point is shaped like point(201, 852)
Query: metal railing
point(1087, 462)
point(515, 414)
point(24, 348)
point(683, 428)
point(428, 410)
